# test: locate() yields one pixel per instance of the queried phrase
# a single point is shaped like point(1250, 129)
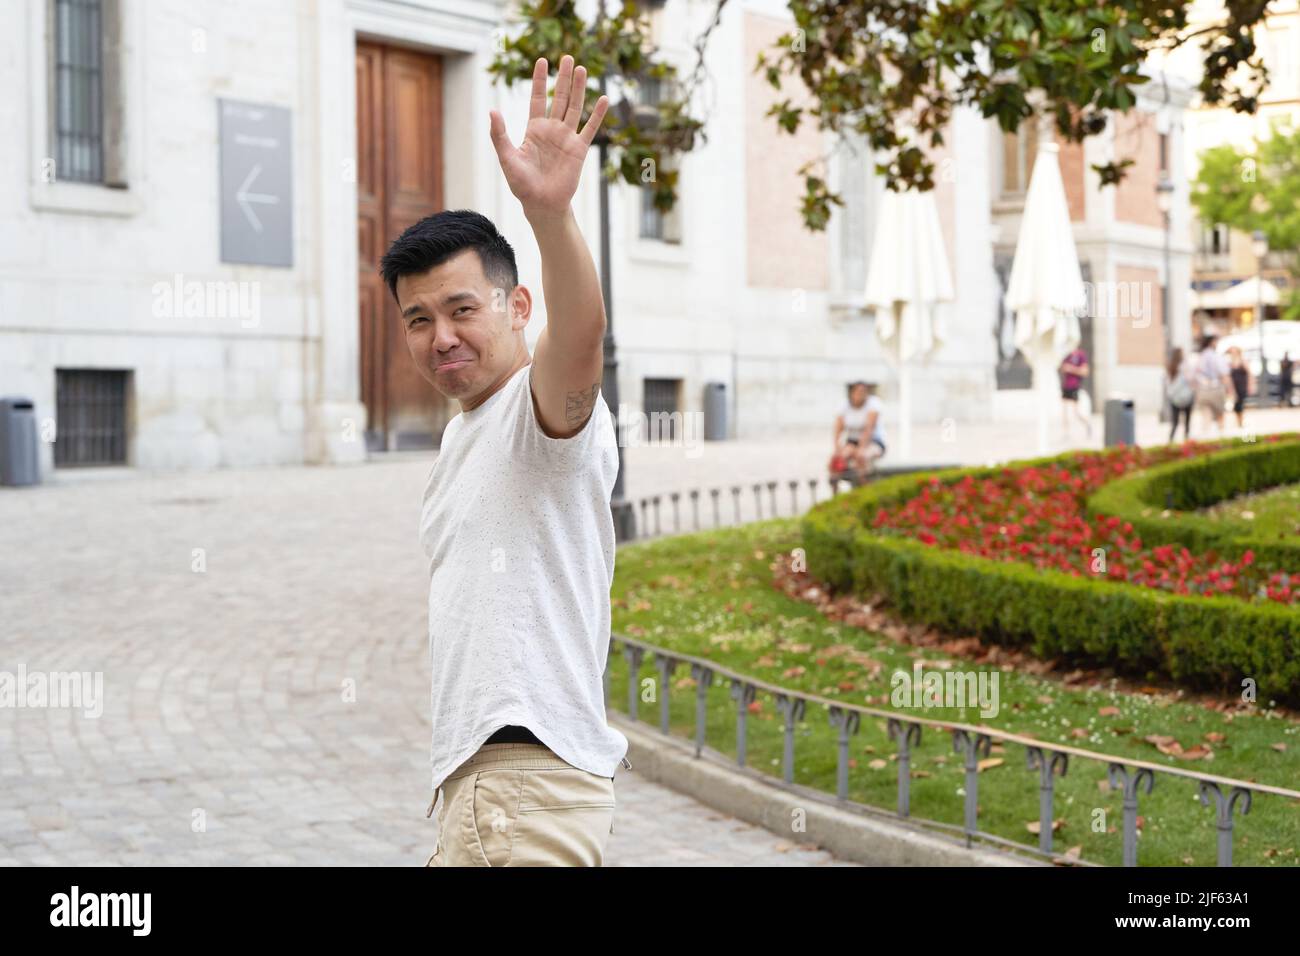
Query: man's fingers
point(594, 120)
point(560, 104)
point(576, 98)
point(500, 138)
point(537, 103)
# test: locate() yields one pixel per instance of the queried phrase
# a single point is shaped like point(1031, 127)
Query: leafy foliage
point(1161, 503)
point(894, 72)
point(1256, 188)
point(638, 139)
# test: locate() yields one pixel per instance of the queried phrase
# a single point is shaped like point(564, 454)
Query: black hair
point(435, 239)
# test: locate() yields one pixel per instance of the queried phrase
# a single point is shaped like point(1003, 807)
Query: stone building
point(195, 195)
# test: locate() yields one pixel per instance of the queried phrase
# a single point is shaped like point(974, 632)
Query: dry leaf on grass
point(1166, 745)
point(1034, 827)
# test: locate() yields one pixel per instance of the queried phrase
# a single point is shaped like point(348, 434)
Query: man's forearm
point(575, 309)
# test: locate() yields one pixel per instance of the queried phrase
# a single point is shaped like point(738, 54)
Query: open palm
point(543, 171)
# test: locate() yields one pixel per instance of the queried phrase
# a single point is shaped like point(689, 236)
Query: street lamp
point(621, 509)
point(1165, 203)
point(1259, 245)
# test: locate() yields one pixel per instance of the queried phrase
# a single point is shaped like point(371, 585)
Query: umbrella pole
point(1043, 381)
point(904, 412)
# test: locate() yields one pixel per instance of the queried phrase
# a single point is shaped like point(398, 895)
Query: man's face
point(461, 330)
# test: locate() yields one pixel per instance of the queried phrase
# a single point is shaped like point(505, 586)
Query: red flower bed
point(1035, 515)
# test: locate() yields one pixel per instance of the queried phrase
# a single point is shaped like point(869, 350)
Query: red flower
point(1036, 515)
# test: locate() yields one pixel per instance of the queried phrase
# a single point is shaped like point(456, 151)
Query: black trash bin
point(20, 462)
point(1120, 422)
point(715, 411)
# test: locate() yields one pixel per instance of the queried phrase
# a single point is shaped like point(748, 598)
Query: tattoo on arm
point(578, 405)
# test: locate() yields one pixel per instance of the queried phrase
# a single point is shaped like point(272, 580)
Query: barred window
point(78, 90)
point(1018, 152)
point(655, 223)
point(1214, 239)
point(860, 187)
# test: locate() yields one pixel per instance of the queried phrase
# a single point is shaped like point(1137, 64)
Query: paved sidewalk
point(269, 709)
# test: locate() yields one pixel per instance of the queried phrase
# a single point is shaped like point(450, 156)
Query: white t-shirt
point(520, 539)
point(1211, 368)
point(855, 419)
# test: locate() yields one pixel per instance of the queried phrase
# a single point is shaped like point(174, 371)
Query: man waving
point(516, 519)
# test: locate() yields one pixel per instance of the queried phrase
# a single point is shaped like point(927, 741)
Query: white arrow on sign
point(244, 197)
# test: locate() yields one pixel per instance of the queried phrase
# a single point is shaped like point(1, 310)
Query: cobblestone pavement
point(265, 678)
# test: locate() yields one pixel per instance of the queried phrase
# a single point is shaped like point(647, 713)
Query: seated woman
point(859, 434)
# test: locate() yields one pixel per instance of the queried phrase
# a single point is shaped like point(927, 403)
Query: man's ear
point(521, 307)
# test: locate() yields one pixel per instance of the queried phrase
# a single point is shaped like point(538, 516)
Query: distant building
point(196, 196)
point(1121, 234)
point(1224, 265)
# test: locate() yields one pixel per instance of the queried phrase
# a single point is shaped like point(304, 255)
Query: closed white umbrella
point(908, 280)
point(1045, 290)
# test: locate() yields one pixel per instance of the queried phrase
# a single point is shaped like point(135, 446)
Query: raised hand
point(543, 171)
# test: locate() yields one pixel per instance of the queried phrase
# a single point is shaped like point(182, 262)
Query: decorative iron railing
point(649, 505)
point(1051, 760)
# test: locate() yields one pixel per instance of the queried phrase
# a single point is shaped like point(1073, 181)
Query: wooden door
point(399, 181)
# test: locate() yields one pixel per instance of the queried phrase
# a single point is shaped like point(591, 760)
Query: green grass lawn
point(711, 595)
point(1272, 515)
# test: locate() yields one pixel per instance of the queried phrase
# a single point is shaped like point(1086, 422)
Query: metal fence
point(651, 521)
point(1044, 762)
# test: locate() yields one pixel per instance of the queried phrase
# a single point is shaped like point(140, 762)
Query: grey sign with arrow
point(256, 184)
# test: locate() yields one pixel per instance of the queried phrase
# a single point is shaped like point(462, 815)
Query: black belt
point(512, 734)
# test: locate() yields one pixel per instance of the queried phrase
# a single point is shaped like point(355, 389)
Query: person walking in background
point(1243, 383)
point(1212, 381)
point(1180, 386)
point(859, 434)
point(1284, 382)
point(1074, 369)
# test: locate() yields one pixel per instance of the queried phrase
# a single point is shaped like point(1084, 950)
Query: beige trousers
point(521, 805)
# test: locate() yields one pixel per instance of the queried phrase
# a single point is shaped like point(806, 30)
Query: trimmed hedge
point(1202, 642)
point(1145, 498)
